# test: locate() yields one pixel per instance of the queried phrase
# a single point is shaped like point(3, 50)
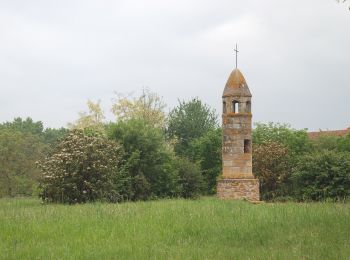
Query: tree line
point(146, 153)
point(143, 154)
point(291, 166)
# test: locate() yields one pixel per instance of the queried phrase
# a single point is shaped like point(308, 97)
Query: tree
point(271, 164)
point(323, 175)
point(297, 141)
point(27, 126)
point(48, 136)
point(83, 168)
point(343, 143)
point(23, 142)
point(189, 121)
point(335, 143)
point(190, 178)
point(18, 153)
point(52, 135)
point(148, 159)
point(148, 107)
point(207, 151)
point(325, 143)
point(92, 120)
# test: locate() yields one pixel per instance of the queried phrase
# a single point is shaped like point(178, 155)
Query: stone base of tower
point(247, 189)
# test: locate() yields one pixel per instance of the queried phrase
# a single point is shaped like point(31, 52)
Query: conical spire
point(236, 85)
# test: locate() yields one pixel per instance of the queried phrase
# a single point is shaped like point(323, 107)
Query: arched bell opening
point(235, 106)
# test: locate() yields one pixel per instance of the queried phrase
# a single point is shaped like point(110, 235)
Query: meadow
point(206, 228)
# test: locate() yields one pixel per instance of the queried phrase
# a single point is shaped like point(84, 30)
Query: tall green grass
point(174, 229)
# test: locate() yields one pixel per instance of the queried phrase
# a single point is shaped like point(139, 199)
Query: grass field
point(174, 229)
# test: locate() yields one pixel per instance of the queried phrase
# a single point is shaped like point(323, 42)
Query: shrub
point(323, 175)
point(148, 159)
point(207, 151)
point(271, 164)
point(83, 168)
point(296, 141)
point(18, 154)
point(188, 121)
point(190, 178)
point(336, 143)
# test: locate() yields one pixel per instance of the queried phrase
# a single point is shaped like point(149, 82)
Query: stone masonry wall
point(236, 128)
point(238, 189)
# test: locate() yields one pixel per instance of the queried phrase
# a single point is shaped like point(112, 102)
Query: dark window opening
point(247, 146)
point(224, 107)
point(235, 106)
point(248, 106)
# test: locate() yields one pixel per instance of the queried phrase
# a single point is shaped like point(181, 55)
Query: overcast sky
point(295, 56)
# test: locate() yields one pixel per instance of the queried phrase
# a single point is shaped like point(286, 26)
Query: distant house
point(338, 133)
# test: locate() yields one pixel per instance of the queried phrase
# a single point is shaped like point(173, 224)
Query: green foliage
point(325, 143)
point(343, 143)
point(335, 143)
point(207, 151)
point(296, 141)
point(148, 107)
point(272, 165)
point(52, 135)
point(323, 175)
point(22, 143)
point(308, 169)
point(18, 153)
point(190, 178)
point(164, 155)
point(92, 120)
point(193, 126)
point(148, 159)
point(83, 168)
point(189, 121)
point(27, 126)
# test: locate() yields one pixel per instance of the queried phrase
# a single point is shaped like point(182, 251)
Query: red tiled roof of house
point(339, 133)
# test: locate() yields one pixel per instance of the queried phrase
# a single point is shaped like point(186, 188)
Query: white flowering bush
point(83, 168)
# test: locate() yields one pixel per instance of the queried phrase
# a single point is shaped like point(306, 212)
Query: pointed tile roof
point(236, 85)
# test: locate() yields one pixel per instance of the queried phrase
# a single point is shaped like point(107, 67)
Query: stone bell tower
point(237, 180)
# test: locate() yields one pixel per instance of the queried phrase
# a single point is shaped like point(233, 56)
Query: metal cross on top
point(236, 50)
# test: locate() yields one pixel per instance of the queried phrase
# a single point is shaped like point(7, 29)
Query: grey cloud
point(54, 55)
